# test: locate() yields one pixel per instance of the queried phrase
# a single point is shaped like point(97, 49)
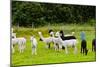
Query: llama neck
point(52, 35)
point(62, 34)
point(14, 36)
point(60, 39)
point(41, 37)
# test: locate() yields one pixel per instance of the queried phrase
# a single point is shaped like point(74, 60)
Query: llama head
point(57, 34)
point(61, 33)
point(40, 39)
point(51, 34)
point(50, 30)
point(39, 32)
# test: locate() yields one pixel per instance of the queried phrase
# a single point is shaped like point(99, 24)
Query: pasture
point(50, 56)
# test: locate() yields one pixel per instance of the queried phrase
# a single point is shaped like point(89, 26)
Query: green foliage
point(92, 22)
point(40, 14)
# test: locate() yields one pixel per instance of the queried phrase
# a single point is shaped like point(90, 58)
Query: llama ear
point(40, 39)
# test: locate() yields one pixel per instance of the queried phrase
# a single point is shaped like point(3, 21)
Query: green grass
point(48, 56)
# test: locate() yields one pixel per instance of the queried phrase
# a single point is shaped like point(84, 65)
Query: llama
point(14, 41)
point(50, 32)
point(84, 47)
point(34, 45)
point(66, 43)
point(45, 40)
point(13, 34)
point(66, 37)
point(21, 43)
point(55, 41)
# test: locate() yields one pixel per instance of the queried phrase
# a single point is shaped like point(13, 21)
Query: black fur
point(67, 37)
point(94, 45)
point(40, 39)
point(48, 45)
point(50, 31)
point(84, 47)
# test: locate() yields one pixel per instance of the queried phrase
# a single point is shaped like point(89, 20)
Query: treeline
point(39, 14)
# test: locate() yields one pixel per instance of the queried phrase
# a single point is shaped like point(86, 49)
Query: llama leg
point(81, 50)
point(60, 47)
point(20, 48)
point(63, 47)
point(81, 47)
point(32, 51)
point(75, 50)
point(49, 45)
point(66, 51)
point(55, 47)
point(84, 50)
point(35, 51)
point(23, 48)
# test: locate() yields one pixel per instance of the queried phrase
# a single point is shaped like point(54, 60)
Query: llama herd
point(59, 40)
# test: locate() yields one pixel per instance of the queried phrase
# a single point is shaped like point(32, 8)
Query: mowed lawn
point(50, 56)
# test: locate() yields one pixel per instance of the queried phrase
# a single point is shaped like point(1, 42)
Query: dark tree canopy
point(26, 13)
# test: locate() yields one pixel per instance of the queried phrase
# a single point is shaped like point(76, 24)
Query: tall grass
point(67, 28)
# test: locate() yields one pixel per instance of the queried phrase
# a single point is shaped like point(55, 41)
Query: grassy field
point(49, 56)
